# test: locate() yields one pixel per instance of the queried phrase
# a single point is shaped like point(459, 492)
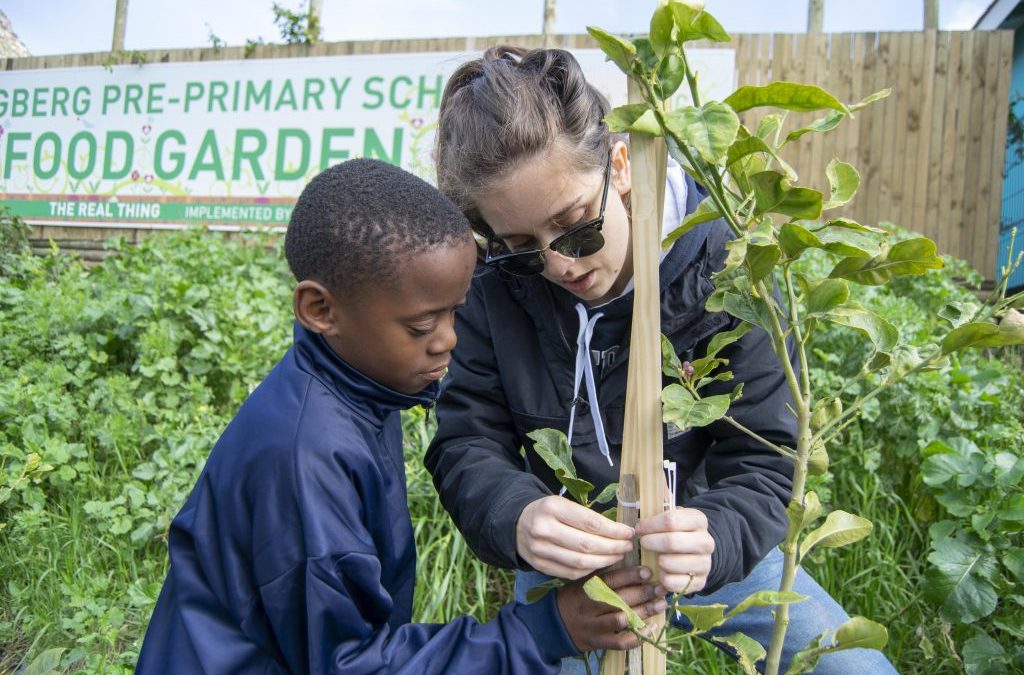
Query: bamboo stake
point(642, 453)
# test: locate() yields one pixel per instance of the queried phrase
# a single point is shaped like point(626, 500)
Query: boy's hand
point(681, 539)
point(595, 625)
point(563, 539)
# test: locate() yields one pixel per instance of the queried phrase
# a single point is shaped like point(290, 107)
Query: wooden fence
point(930, 156)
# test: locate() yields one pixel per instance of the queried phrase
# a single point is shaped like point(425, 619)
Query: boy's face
point(402, 335)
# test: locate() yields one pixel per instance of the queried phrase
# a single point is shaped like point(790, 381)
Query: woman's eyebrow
point(565, 211)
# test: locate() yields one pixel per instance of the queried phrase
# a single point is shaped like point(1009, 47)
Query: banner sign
point(230, 143)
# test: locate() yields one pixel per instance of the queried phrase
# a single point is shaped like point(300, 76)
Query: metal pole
point(815, 15)
point(120, 18)
point(549, 23)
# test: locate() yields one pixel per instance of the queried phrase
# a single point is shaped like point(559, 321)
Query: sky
point(74, 26)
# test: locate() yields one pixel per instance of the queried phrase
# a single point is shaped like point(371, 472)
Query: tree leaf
point(829, 122)
point(696, 24)
point(880, 331)
point(805, 513)
point(542, 589)
point(662, 26)
point(725, 338)
point(748, 650)
point(843, 182)
point(745, 307)
point(1014, 561)
point(860, 633)
point(671, 72)
point(681, 409)
point(670, 363)
point(839, 529)
point(868, 100)
point(772, 195)
point(765, 599)
point(633, 118)
point(710, 129)
point(607, 494)
point(703, 617)
point(785, 95)
point(553, 447)
point(597, 590)
point(620, 52)
point(827, 296)
point(761, 259)
point(911, 256)
point(704, 212)
point(959, 581)
point(980, 335)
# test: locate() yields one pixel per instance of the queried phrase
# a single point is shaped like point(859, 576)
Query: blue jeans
point(807, 620)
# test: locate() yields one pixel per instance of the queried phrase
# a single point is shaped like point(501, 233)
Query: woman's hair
point(509, 106)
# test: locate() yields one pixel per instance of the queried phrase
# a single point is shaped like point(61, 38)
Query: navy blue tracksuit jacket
point(295, 552)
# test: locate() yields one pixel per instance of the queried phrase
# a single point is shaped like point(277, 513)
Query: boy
point(295, 550)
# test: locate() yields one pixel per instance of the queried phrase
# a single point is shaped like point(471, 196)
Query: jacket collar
point(365, 396)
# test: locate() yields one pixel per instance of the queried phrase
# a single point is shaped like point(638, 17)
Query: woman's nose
point(556, 264)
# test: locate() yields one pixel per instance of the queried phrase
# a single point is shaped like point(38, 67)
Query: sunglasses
point(582, 240)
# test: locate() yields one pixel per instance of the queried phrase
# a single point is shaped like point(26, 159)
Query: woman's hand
point(563, 539)
point(681, 539)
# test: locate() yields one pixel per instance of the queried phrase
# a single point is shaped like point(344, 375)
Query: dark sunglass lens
point(586, 241)
point(526, 265)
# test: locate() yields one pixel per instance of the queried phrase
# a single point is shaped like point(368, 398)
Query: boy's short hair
point(355, 221)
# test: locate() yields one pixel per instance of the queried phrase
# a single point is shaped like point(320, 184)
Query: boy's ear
point(621, 176)
point(315, 307)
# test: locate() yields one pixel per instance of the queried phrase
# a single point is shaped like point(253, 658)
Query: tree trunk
point(120, 19)
point(548, 31)
point(815, 15)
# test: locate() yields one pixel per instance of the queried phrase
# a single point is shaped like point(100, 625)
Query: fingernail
point(660, 590)
point(645, 573)
point(660, 606)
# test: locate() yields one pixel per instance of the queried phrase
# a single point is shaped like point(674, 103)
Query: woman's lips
point(580, 284)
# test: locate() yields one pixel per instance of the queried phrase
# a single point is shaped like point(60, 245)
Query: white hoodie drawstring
point(585, 369)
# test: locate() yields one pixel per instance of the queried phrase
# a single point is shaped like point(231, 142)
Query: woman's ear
point(621, 176)
point(315, 307)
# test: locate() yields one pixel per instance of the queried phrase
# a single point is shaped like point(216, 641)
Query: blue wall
point(1013, 185)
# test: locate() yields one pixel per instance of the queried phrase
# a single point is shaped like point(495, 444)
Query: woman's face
point(544, 197)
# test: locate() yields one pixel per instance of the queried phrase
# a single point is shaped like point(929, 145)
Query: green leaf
point(598, 591)
point(839, 529)
point(633, 118)
point(846, 223)
point(704, 212)
point(710, 129)
point(860, 633)
point(671, 72)
point(681, 409)
point(47, 663)
point(746, 307)
point(984, 656)
point(607, 494)
point(761, 260)
point(696, 24)
point(765, 599)
point(1014, 509)
point(725, 338)
point(553, 447)
point(748, 650)
point(769, 125)
point(805, 513)
point(824, 124)
point(645, 53)
point(880, 331)
point(807, 658)
point(662, 26)
point(979, 335)
point(703, 617)
point(542, 589)
point(827, 296)
point(817, 461)
point(785, 95)
point(1014, 561)
point(959, 581)
point(908, 257)
point(868, 100)
point(773, 195)
point(670, 363)
point(843, 182)
point(620, 52)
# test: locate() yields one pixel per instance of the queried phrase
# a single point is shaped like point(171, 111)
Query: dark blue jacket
point(295, 551)
point(512, 373)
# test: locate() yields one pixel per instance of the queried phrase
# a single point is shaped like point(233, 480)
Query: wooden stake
point(642, 453)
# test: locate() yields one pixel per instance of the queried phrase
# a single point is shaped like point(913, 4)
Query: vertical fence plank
point(998, 151)
point(972, 133)
point(926, 119)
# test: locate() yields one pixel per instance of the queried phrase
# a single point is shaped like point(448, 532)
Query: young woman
point(544, 343)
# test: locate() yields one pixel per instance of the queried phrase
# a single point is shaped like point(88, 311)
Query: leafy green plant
point(297, 28)
point(776, 222)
